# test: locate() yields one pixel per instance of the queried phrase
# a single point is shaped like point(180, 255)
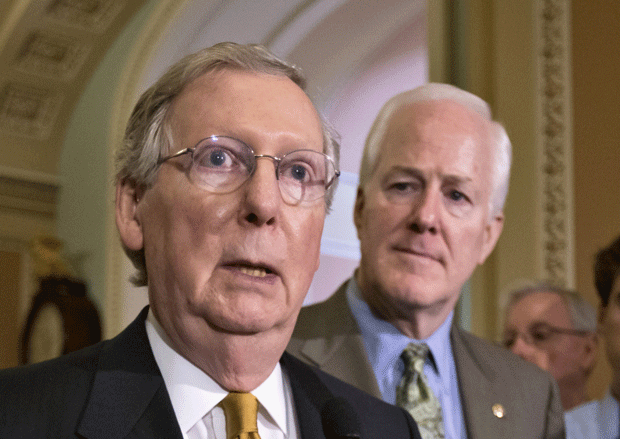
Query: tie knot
point(414, 356)
point(240, 410)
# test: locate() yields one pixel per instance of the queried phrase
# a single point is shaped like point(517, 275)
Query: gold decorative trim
point(28, 111)
point(52, 55)
point(555, 141)
point(91, 15)
point(30, 193)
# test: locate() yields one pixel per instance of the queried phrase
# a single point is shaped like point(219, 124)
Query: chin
point(246, 321)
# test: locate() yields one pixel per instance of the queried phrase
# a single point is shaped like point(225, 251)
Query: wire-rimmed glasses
point(221, 164)
point(540, 334)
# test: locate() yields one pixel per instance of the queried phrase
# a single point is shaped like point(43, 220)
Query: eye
point(216, 158)
point(540, 334)
point(455, 195)
point(299, 172)
point(303, 167)
point(213, 157)
point(403, 187)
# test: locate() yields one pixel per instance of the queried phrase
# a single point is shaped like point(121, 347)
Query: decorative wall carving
point(91, 15)
point(51, 55)
point(27, 194)
point(555, 141)
point(28, 111)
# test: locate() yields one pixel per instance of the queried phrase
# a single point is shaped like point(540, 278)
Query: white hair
point(435, 92)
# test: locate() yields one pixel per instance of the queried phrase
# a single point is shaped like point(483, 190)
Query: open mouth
point(255, 271)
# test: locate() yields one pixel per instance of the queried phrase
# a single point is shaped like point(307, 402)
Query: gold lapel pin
point(498, 410)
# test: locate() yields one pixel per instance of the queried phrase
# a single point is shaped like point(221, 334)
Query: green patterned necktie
point(415, 395)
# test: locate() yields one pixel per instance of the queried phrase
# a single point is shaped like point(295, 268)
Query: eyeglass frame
point(276, 159)
point(553, 330)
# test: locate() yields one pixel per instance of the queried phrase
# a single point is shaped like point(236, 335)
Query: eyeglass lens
point(222, 164)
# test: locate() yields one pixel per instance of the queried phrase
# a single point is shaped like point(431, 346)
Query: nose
point(262, 195)
point(425, 213)
point(522, 348)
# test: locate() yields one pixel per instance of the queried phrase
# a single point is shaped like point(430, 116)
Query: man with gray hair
point(429, 209)
point(223, 183)
point(554, 328)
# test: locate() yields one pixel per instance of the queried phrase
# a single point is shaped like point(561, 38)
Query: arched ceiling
point(48, 51)
point(50, 48)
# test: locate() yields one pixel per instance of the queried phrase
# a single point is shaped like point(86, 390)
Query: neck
point(411, 319)
point(237, 362)
point(572, 394)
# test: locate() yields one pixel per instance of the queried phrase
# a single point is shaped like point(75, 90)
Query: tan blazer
point(327, 336)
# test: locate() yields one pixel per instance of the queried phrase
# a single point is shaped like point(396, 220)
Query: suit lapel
point(477, 389)
point(340, 345)
point(128, 398)
point(309, 396)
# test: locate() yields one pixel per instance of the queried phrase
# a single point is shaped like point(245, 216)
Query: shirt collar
point(384, 343)
point(193, 393)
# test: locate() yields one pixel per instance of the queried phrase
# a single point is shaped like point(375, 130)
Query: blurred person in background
point(599, 419)
point(554, 328)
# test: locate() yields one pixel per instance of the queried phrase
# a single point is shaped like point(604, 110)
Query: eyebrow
point(415, 172)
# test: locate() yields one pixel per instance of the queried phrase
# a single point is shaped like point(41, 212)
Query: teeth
point(256, 272)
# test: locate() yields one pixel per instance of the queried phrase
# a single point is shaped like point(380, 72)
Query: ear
point(127, 221)
point(358, 209)
point(590, 352)
point(492, 230)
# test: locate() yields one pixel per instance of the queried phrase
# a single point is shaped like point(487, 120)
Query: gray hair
point(435, 92)
point(148, 135)
point(582, 313)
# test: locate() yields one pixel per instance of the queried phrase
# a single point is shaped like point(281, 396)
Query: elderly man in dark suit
point(223, 183)
point(429, 209)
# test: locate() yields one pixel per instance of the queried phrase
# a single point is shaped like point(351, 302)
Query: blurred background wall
point(71, 70)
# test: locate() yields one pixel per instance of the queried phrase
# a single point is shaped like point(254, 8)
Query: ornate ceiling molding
point(556, 246)
point(48, 51)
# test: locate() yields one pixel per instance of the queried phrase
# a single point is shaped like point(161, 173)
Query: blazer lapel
point(128, 398)
point(309, 396)
point(340, 344)
point(477, 389)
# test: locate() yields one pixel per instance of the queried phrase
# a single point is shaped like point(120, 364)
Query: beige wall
point(596, 111)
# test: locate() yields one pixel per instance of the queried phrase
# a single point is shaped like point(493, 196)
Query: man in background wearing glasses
point(223, 182)
point(554, 328)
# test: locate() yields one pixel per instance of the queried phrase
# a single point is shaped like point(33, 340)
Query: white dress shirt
point(195, 395)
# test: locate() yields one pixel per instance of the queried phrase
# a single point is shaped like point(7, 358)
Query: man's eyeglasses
point(540, 334)
point(222, 164)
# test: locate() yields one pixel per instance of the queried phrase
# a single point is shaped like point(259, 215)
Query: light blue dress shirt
point(384, 344)
point(594, 420)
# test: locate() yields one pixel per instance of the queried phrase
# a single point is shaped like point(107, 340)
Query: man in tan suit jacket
point(429, 209)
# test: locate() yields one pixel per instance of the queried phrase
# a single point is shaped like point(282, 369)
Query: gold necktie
point(240, 410)
point(415, 395)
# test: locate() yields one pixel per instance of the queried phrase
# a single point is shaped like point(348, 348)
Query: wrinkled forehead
point(236, 100)
point(442, 136)
point(427, 119)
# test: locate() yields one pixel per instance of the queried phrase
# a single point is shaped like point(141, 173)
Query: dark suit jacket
point(114, 390)
point(327, 336)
